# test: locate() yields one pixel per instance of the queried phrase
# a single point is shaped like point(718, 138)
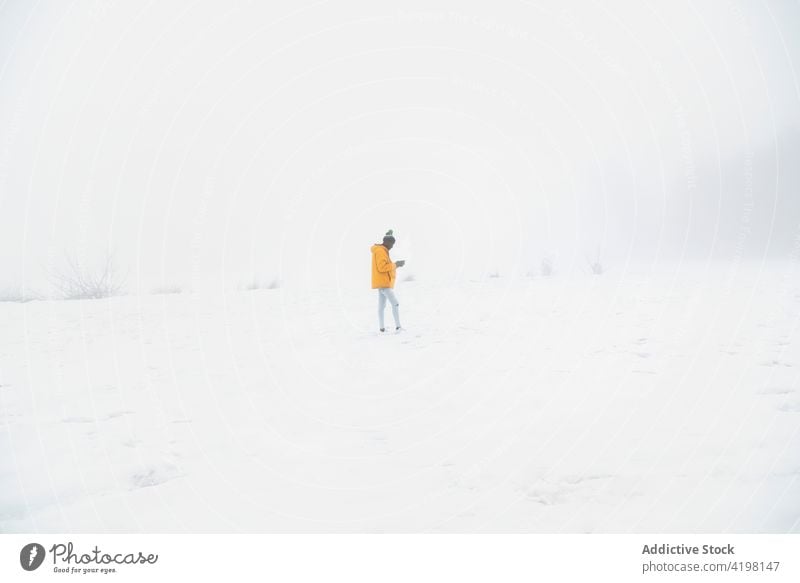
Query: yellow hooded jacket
point(384, 271)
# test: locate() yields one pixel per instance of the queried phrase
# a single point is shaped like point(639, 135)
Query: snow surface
point(664, 402)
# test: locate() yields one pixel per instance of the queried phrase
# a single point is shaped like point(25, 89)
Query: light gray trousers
point(387, 293)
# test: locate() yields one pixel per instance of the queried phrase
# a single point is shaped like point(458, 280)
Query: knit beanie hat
point(388, 237)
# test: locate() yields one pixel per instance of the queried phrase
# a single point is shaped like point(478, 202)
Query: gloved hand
point(400, 263)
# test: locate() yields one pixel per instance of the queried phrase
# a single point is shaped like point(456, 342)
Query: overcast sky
point(211, 140)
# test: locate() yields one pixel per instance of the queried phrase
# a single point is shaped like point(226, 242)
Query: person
point(384, 274)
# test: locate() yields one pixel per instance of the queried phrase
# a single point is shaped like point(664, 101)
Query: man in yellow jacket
point(384, 274)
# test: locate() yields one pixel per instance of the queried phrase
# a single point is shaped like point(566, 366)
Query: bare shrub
point(410, 277)
point(75, 281)
point(596, 266)
point(257, 283)
point(494, 274)
point(546, 267)
point(17, 294)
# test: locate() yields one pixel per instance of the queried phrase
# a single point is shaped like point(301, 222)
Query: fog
point(216, 142)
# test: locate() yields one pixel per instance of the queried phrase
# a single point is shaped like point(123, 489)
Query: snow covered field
point(655, 402)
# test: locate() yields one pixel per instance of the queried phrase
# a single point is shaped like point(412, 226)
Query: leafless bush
point(596, 266)
point(75, 281)
point(494, 274)
point(409, 277)
point(547, 267)
point(17, 294)
point(257, 283)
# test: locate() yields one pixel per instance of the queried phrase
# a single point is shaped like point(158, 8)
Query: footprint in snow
point(155, 475)
point(775, 391)
point(547, 495)
point(774, 363)
point(116, 414)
